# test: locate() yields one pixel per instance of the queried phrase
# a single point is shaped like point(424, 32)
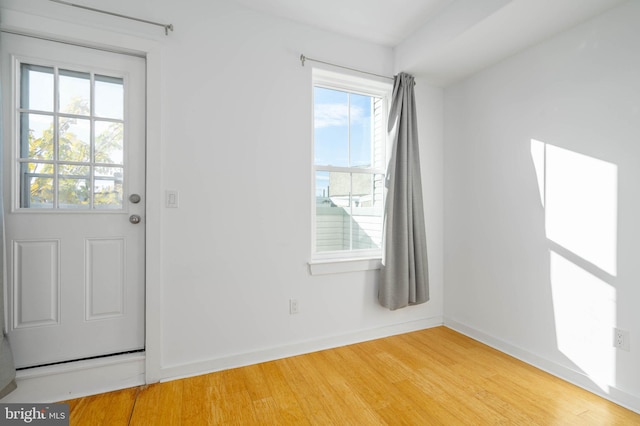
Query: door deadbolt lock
point(134, 198)
point(135, 219)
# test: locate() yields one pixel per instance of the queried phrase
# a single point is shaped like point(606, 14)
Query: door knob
point(134, 198)
point(135, 219)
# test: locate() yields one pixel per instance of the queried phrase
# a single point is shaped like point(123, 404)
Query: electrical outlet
point(293, 306)
point(621, 339)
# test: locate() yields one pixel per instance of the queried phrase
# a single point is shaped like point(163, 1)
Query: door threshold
point(61, 382)
point(138, 351)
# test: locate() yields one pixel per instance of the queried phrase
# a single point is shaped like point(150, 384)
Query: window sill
point(324, 267)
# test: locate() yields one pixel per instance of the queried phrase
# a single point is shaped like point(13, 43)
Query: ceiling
point(444, 40)
point(364, 19)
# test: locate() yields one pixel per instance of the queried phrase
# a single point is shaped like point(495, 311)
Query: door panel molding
point(104, 286)
point(36, 289)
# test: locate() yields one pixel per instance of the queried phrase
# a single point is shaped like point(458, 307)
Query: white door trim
point(153, 277)
point(148, 364)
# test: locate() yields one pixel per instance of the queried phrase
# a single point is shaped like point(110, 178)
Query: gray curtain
point(7, 368)
point(404, 278)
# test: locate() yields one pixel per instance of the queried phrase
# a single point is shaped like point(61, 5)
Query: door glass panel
point(75, 139)
point(72, 155)
point(36, 91)
point(74, 193)
point(66, 170)
point(109, 142)
point(108, 188)
point(109, 94)
point(74, 92)
point(36, 134)
point(40, 169)
point(40, 192)
point(37, 185)
point(75, 184)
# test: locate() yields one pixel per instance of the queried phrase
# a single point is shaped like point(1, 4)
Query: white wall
point(234, 140)
point(541, 257)
point(238, 150)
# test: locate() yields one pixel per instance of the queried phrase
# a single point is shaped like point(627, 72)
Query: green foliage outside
point(74, 166)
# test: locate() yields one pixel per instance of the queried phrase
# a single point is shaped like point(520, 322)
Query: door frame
point(149, 46)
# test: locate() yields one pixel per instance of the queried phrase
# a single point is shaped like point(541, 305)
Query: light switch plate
point(172, 200)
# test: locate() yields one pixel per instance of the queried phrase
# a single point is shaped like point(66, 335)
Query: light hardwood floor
point(430, 377)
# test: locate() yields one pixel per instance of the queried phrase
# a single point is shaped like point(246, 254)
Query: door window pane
point(36, 87)
point(73, 170)
point(74, 182)
point(75, 139)
point(37, 185)
point(36, 136)
point(109, 142)
point(108, 190)
point(74, 92)
point(109, 94)
point(74, 193)
point(39, 193)
point(39, 168)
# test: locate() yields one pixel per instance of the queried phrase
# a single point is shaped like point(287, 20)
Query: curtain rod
point(166, 27)
point(305, 58)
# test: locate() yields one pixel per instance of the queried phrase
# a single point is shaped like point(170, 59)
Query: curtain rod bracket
point(302, 59)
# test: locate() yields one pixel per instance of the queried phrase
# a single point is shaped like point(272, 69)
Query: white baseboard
point(279, 352)
point(620, 397)
point(77, 379)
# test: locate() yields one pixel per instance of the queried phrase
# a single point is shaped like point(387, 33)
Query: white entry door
point(74, 170)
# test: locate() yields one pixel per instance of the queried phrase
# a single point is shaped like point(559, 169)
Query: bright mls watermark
point(34, 414)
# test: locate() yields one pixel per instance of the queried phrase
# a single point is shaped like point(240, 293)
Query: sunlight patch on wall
point(585, 313)
point(580, 197)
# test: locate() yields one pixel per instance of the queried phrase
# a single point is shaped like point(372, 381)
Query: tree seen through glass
point(63, 151)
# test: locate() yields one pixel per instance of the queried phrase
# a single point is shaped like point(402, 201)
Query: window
point(71, 134)
point(349, 165)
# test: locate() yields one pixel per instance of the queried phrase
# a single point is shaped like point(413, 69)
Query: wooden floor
point(429, 377)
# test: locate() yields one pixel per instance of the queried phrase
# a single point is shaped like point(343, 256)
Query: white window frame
point(346, 260)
